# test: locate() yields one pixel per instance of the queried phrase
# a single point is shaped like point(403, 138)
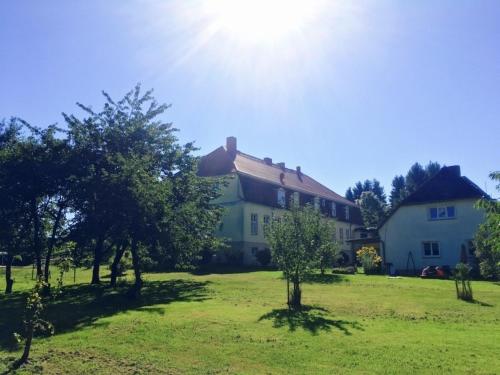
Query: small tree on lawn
point(369, 259)
point(462, 282)
point(296, 240)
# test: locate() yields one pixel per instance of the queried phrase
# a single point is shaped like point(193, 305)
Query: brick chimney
point(231, 145)
point(268, 161)
point(281, 165)
point(299, 173)
point(454, 170)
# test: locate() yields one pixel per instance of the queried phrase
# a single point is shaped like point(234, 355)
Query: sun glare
point(259, 21)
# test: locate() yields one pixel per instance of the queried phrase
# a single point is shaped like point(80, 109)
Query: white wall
point(409, 226)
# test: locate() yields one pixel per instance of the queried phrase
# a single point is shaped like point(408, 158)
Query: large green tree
point(297, 240)
point(487, 239)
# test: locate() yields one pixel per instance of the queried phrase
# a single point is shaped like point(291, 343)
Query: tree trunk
point(97, 260)
point(36, 238)
point(8, 274)
point(27, 346)
point(136, 265)
point(114, 266)
point(296, 294)
point(52, 243)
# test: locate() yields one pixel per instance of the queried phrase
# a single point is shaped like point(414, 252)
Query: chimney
point(268, 161)
point(231, 145)
point(281, 165)
point(299, 173)
point(454, 170)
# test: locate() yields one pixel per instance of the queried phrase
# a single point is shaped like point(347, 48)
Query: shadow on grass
point(476, 302)
point(310, 318)
point(227, 269)
point(81, 305)
point(318, 278)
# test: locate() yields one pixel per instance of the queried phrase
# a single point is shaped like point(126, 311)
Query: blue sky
point(355, 91)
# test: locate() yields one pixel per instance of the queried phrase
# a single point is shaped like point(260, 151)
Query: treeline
point(111, 184)
point(371, 197)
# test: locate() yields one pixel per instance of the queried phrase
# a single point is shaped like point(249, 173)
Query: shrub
point(369, 259)
point(462, 282)
point(263, 257)
point(233, 257)
point(344, 270)
point(206, 256)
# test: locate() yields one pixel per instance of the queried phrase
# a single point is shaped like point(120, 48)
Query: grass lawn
point(236, 323)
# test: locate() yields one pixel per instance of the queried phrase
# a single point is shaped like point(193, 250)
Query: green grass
point(236, 323)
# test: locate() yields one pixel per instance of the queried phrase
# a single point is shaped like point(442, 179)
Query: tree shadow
point(318, 278)
point(228, 269)
point(476, 302)
point(82, 305)
point(310, 318)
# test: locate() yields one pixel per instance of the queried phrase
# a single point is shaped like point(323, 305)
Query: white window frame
point(445, 210)
point(316, 203)
point(254, 224)
point(334, 209)
point(347, 213)
point(341, 234)
point(431, 245)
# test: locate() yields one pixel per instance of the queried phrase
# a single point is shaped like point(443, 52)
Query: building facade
point(434, 226)
point(259, 189)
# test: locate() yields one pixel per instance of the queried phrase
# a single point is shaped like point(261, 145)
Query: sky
point(347, 90)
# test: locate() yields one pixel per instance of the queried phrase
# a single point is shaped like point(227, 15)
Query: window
point(431, 249)
point(281, 198)
point(341, 234)
point(347, 212)
point(347, 234)
point(334, 209)
point(254, 224)
point(266, 219)
point(442, 213)
point(295, 198)
point(316, 203)
point(221, 226)
point(255, 250)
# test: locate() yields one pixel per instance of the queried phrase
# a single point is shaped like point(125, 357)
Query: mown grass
point(237, 323)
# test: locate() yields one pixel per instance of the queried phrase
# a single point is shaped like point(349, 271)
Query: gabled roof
point(446, 185)
point(221, 161)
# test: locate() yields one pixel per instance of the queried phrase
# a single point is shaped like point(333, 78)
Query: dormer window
point(281, 198)
point(347, 212)
point(334, 209)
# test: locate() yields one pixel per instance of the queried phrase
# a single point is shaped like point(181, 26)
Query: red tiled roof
point(287, 178)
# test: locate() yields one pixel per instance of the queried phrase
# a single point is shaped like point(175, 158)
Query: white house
point(433, 226)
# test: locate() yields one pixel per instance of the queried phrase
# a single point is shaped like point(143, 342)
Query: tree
point(372, 209)
point(354, 193)
point(415, 177)
point(137, 187)
point(297, 240)
point(398, 191)
point(432, 168)
point(487, 239)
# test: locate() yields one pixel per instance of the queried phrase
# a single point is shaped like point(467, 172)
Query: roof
point(221, 161)
point(446, 185)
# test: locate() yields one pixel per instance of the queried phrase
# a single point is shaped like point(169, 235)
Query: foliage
point(372, 209)
point(462, 282)
point(369, 258)
point(233, 257)
point(263, 256)
point(297, 240)
point(354, 193)
point(487, 239)
point(398, 192)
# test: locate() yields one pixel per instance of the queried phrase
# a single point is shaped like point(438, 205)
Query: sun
point(259, 21)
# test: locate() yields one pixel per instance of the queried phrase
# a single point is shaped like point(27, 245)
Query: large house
point(434, 226)
point(260, 189)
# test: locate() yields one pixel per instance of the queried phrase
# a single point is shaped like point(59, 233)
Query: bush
point(233, 257)
point(206, 257)
point(263, 257)
point(344, 270)
point(369, 259)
